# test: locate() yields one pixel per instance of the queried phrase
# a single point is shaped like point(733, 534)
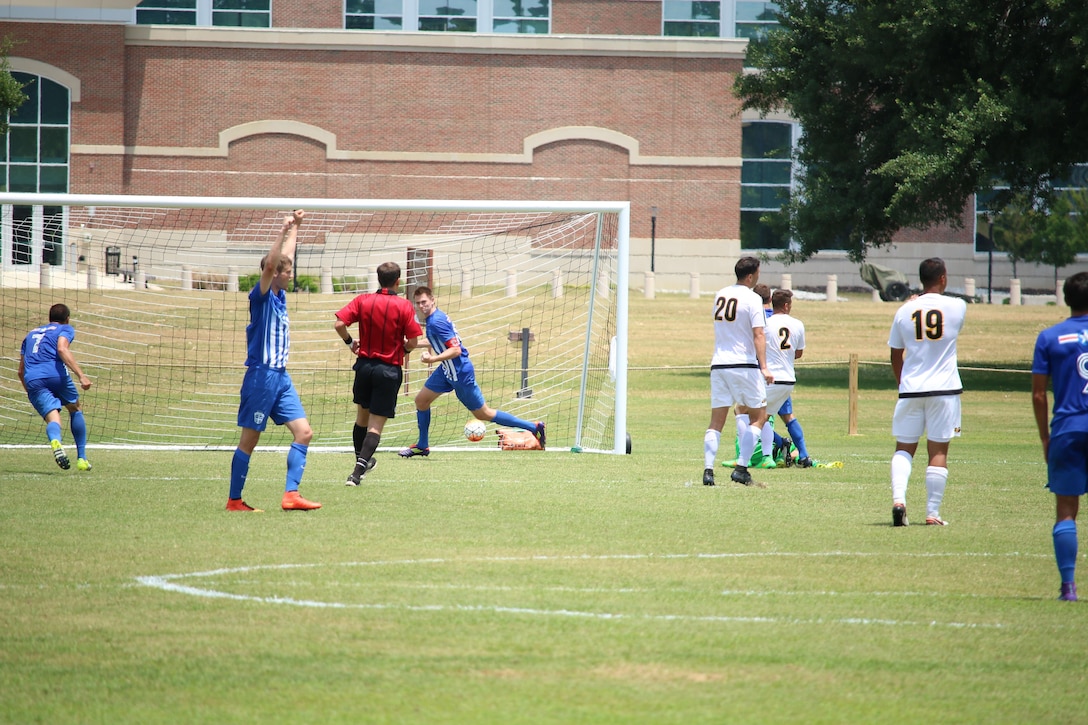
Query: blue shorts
point(268, 393)
point(49, 394)
point(787, 407)
point(1067, 464)
point(466, 389)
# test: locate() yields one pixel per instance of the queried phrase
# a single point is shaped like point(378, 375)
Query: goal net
point(158, 288)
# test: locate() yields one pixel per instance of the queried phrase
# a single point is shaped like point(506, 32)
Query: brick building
point(585, 99)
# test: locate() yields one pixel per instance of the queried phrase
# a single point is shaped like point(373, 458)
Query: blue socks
point(798, 436)
point(296, 464)
point(1065, 548)
point(52, 431)
point(79, 432)
point(510, 421)
point(239, 469)
point(423, 420)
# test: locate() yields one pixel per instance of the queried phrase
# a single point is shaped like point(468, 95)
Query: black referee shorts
point(377, 385)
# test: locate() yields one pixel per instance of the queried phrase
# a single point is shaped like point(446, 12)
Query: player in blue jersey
point(1061, 361)
point(44, 360)
point(454, 374)
point(267, 390)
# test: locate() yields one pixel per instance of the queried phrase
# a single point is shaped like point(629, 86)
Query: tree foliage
point(908, 108)
point(11, 91)
point(1016, 229)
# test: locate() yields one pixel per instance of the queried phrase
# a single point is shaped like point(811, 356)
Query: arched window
point(35, 159)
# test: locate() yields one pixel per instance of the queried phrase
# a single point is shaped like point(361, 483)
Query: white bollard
point(787, 282)
point(602, 284)
point(466, 283)
point(876, 296)
point(832, 288)
point(648, 290)
point(557, 283)
point(326, 280)
point(371, 281)
point(45, 276)
point(511, 283)
point(693, 286)
point(969, 286)
point(1059, 294)
point(186, 279)
point(1014, 292)
point(139, 279)
point(92, 277)
point(232, 279)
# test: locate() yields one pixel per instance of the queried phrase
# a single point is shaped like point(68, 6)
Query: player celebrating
point(738, 369)
point(455, 373)
point(1060, 355)
point(43, 357)
point(923, 356)
point(387, 331)
point(787, 344)
point(267, 389)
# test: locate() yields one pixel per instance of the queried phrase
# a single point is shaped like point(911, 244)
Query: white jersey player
point(923, 357)
point(738, 369)
point(785, 343)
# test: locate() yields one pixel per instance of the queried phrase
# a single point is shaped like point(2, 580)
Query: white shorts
point(737, 386)
point(938, 416)
point(776, 396)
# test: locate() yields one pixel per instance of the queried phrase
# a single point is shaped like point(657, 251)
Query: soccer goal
point(158, 291)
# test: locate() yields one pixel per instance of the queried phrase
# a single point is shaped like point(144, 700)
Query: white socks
point(936, 479)
point(710, 446)
point(901, 467)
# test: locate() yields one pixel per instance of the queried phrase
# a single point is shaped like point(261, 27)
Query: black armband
point(348, 341)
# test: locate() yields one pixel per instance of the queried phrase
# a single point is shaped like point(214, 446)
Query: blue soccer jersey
point(440, 330)
point(1061, 352)
point(268, 332)
point(39, 351)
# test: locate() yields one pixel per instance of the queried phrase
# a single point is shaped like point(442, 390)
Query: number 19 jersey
point(926, 329)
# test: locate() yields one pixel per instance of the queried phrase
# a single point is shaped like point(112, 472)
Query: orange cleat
point(237, 504)
point(293, 502)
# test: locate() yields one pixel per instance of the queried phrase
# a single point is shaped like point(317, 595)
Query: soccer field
point(524, 587)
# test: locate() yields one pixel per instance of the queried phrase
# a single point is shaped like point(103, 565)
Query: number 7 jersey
point(926, 329)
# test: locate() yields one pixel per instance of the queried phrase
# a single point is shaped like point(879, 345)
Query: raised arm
point(284, 246)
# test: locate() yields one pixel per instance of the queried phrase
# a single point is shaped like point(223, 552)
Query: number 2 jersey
point(926, 329)
point(785, 336)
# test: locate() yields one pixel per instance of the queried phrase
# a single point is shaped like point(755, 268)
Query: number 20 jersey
point(737, 311)
point(926, 328)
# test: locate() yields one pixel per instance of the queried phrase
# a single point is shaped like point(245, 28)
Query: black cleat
point(361, 467)
point(805, 462)
point(740, 475)
point(708, 477)
point(899, 515)
point(783, 450)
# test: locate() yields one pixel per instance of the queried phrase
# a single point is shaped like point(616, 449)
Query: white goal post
point(158, 292)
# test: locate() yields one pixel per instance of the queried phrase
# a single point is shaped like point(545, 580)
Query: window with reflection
point(223, 13)
point(750, 19)
point(374, 15)
point(35, 159)
point(766, 180)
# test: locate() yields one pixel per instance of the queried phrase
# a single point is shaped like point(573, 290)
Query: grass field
point(523, 587)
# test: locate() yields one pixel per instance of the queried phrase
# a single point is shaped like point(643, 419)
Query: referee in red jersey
point(387, 330)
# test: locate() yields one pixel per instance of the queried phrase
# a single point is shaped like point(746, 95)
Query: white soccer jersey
point(785, 336)
point(737, 311)
point(926, 329)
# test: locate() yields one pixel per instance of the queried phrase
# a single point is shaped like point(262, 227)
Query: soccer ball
point(475, 430)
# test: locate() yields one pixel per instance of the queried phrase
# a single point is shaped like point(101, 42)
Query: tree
point(1015, 229)
point(1063, 234)
point(908, 108)
point(11, 91)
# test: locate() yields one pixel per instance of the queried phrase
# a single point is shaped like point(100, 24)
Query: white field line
point(172, 583)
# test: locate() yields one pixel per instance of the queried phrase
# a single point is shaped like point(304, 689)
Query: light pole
point(990, 264)
point(653, 234)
